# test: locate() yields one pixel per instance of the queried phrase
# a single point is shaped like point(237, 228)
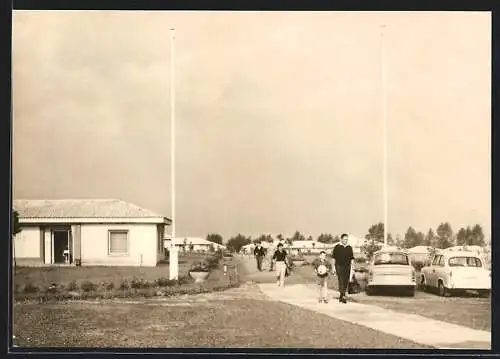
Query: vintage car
point(454, 271)
point(391, 268)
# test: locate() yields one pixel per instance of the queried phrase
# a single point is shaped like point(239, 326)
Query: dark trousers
point(259, 262)
point(343, 272)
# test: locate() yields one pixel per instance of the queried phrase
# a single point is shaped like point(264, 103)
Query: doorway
point(62, 246)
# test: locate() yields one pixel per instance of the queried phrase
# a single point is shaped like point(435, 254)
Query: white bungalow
point(198, 244)
point(88, 232)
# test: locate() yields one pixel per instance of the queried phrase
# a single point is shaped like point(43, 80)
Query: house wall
point(28, 246)
point(142, 245)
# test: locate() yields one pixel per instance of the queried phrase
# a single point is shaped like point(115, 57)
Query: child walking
point(322, 267)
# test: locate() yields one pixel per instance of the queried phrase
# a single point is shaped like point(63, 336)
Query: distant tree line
point(444, 237)
point(237, 242)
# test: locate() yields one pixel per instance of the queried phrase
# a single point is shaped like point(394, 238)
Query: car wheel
point(484, 293)
point(442, 290)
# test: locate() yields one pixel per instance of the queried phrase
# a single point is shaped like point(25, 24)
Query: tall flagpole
point(173, 252)
point(384, 119)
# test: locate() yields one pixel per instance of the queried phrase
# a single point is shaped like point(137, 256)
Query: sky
point(279, 121)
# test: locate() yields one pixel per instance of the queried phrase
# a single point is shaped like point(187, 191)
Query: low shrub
point(212, 262)
point(30, 288)
point(124, 285)
point(88, 286)
point(72, 286)
point(165, 282)
point(110, 286)
point(139, 283)
point(200, 267)
point(51, 288)
point(185, 280)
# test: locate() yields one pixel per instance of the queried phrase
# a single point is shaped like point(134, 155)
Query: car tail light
point(370, 276)
point(413, 276)
point(451, 274)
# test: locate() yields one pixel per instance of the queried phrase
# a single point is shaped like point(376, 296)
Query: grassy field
point(202, 322)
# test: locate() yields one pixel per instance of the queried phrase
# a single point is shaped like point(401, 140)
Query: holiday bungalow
point(88, 232)
point(196, 244)
point(308, 247)
point(419, 254)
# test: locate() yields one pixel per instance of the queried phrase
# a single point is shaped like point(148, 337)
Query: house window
point(118, 242)
point(160, 232)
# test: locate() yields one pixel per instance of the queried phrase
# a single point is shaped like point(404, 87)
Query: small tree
point(215, 238)
point(234, 244)
point(390, 240)
point(370, 248)
point(16, 228)
point(430, 238)
point(445, 236)
point(376, 232)
point(325, 238)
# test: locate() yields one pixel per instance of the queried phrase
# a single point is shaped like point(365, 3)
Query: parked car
point(454, 271)
point(391, 268)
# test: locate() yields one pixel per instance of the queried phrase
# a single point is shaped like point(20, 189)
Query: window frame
point(442, 261)
point(160, 231)
point(119, 254)
point(476, 259)
point(408, 262)
point(436, 259)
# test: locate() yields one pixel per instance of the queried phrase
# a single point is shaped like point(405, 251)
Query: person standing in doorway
point(259, 254)
point(343, 258)
point(279, 258)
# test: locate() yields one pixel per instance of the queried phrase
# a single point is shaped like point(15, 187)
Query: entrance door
point(61, 244)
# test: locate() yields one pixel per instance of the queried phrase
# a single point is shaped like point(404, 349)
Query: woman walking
point(279, 259)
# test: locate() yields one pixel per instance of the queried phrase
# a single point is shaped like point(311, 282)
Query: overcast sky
point(279, 116)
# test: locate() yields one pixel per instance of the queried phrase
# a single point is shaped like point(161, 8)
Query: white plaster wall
point(142, 245)
point(27, 242)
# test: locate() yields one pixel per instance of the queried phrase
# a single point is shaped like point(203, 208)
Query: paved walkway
point(412, 327)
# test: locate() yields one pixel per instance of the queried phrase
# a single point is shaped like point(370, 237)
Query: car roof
point(391, 250)
point(459, 254)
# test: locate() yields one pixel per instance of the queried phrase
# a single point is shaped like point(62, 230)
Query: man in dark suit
point(343, 258)
point(259, 252)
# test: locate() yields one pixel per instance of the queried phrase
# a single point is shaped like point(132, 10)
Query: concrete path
point(408, 326)
point(412, 327)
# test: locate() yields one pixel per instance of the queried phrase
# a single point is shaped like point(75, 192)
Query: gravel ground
point(218, 320)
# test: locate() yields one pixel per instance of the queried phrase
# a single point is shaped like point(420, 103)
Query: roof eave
point(89, 220)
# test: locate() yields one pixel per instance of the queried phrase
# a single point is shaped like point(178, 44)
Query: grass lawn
point(44, 276)
point(205, 322)
point(463, 310)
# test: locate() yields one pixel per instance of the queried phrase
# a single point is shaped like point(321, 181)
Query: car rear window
point(391, 258)
point(464, 262)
